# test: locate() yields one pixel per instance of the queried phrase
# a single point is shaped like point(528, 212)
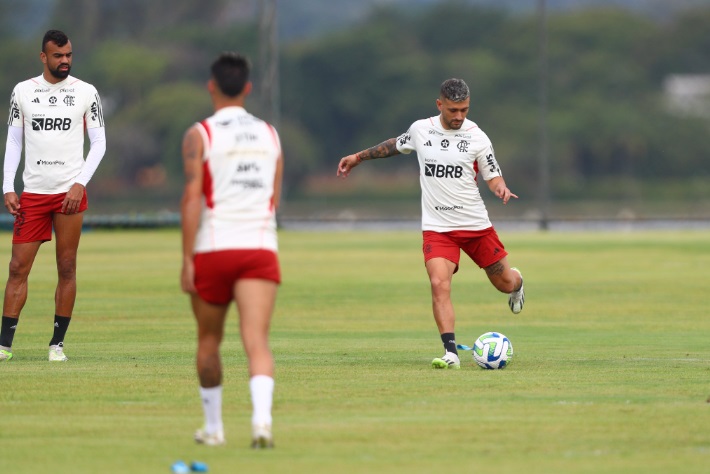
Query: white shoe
point(56, 354)
point(517, 298)
point(261, 437)
point(447, 361)
point(210, 439)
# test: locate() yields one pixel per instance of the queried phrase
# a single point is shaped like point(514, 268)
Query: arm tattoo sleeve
point(384, 150)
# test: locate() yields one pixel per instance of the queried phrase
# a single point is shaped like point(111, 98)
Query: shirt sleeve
point(97, 136)
point(16, 117)
point(13, 153)
point(94, 114)
point(487, 163)
point(405, 144)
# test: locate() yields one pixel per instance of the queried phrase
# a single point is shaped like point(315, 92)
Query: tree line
point(611, 131)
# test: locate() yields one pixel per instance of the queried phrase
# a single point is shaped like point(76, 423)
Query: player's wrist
point(358, 157)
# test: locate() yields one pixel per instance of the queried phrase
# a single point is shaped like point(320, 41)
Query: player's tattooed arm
point(384, 150)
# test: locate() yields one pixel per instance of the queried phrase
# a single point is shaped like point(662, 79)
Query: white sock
point(262, 395)
point(212, 407)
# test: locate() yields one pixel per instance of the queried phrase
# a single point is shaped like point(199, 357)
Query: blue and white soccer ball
point(492, 350)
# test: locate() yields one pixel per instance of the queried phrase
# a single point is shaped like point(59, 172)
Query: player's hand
point(347, 164)
point(187, 276)
point(72, 200)
point(12, 203)
point(505, 194)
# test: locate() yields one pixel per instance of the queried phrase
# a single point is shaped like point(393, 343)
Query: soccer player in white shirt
point(452, 153)
point(233, 168)
point(51, 112)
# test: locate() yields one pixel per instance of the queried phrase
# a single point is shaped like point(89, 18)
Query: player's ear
point(439, 104)
point(247, 88)
point(43, 57)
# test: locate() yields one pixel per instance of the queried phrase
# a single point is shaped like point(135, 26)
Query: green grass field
point(611, 371)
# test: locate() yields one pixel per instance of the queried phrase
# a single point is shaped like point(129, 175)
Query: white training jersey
point(240, 159)
point(450, 162)
point(54, 117)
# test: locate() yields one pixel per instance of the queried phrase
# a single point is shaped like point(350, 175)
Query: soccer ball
point(492, 350)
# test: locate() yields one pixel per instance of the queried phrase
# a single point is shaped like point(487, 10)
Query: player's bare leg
point(441, 272)
point(508, 280)
point(210, 331)
point(67, 231)
point(255, 301)
point(23, 256)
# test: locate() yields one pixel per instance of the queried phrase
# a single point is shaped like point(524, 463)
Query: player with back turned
point(233, 168)
point(453, 152)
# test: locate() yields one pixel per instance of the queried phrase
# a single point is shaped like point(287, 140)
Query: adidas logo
point(36, 101)
point(56, 325)
point(428, 143)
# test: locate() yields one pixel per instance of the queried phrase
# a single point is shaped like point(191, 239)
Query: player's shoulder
point(72, 82)
point(29, 84)
point(474, 131)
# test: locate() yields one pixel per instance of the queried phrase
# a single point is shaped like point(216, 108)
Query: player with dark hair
point(233, 169)
point(452, 153)
point(51, 112)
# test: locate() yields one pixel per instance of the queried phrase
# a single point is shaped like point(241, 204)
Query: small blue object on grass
point(179, 467)
point(198, 466)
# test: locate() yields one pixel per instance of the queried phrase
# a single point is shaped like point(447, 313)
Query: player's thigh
point(255, 300)
point(23, 256)
point(440, 271)
point(67, 231)
point(210, 318)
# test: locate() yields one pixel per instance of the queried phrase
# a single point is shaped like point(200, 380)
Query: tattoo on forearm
point(385, 149)
point(495, 269)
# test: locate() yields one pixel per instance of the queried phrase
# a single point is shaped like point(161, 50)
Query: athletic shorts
point(483, 246)
point(217, 272)
point(34, 221)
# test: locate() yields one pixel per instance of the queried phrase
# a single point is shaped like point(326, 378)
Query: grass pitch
point(611, 370)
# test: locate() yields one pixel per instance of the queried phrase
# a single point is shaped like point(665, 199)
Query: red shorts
point(34, 221)
point(483, 246)
point(216, 272)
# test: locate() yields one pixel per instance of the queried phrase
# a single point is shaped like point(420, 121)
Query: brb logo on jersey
point(51, 123)
point(442, 171)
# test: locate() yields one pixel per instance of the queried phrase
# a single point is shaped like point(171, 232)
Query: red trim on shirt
point(207, 186)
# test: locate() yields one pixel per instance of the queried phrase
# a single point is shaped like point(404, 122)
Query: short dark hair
point(231, 73)
point(455, 90)
point(55, 36)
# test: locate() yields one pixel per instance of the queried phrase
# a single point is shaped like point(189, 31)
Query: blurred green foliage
point(611, 133)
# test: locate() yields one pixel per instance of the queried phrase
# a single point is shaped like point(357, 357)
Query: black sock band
point(61, 324)
point(449, 340)
point(7, 332)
